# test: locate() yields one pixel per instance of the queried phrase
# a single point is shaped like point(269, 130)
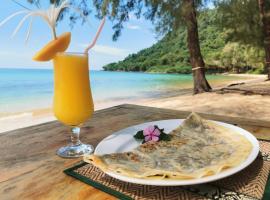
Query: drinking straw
point(96, 36)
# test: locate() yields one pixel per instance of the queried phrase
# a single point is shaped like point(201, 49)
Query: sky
point(16, 53)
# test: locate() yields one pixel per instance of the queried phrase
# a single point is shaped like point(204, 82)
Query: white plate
point(123, 141)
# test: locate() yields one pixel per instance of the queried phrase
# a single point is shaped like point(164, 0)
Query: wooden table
point(29, 168)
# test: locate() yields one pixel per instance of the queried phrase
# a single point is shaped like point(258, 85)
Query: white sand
point(23, 120)
point(254, 106)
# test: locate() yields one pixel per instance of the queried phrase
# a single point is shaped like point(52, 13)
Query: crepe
point(197, 148)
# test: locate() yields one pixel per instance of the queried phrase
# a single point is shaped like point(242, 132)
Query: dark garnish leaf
point(139, 135)
point(164, 136)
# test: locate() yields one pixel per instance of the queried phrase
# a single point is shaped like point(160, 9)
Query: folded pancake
point(197, 148)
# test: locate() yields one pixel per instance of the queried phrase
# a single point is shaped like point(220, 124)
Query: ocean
point(29, 89)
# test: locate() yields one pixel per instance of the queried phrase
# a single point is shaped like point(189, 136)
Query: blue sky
point(15, 53)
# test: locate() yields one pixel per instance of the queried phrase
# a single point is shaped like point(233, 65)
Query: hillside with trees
point(220, 52)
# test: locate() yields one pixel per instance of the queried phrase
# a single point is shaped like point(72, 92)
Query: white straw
point(29, 30)
point(96, 36)
point(11, 16)
point(20, 24)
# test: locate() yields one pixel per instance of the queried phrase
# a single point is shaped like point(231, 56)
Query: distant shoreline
point(143, 72)
point(37, 68)
point(225, 73)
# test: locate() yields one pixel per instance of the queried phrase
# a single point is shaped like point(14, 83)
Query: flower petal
point(155, 138)
point(147, 138)
point(148, 130)
point(151, 128)
point(156, 132)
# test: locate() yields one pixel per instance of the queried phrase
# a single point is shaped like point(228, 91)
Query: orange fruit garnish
point(60, 44)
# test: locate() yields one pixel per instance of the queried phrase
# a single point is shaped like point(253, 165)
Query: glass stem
point(75, 136)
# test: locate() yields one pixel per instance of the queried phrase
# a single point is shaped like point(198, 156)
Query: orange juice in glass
point(73, 103)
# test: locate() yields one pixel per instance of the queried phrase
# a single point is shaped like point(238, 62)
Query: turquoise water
point(27, 89)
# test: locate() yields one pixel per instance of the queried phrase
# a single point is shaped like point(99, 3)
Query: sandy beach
point(250, 106)
point(230, 104)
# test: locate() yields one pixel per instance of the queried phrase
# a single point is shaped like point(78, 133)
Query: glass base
point(75, 151)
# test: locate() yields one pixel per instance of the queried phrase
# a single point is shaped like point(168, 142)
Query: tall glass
point(73, 103)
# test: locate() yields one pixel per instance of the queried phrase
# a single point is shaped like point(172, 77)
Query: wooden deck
point(29, 168)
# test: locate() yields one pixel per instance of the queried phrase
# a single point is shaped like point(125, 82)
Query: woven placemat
point(252, 183)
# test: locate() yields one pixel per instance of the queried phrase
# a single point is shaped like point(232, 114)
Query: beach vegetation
point(221, 52)
point(247, 22)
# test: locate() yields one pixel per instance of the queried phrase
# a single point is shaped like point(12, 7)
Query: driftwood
point(261, 88)
point(234, 84)
point(243, 91)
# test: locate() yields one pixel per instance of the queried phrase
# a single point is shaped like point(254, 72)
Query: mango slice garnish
point(60, 44)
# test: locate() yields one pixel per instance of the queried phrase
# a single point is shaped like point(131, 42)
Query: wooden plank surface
point(29, 168)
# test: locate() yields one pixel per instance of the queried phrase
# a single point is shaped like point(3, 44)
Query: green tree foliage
point(221, 53)
point(247, 22)
point(241, 20)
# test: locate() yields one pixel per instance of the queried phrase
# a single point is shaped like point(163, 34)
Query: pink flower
point(151, 133)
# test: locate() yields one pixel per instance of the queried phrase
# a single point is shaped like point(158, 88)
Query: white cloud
point(109, 50)
point(133, 27)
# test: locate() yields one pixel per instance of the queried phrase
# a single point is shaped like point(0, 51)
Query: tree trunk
point(264, 7)
point(196, 59)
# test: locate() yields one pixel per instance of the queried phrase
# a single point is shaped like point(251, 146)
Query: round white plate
point(123, 141)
